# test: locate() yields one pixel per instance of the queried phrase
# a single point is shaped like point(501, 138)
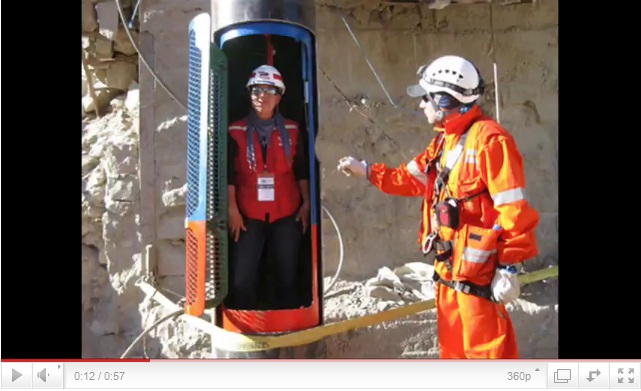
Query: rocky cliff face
point(114, 311)
point(111, 61)
point(110, 244)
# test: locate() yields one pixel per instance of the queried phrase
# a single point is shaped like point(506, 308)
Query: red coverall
point(470, 326)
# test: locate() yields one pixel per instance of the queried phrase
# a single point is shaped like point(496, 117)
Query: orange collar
point(459, 123)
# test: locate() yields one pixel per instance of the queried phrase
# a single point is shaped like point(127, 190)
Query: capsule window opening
point(244, 54)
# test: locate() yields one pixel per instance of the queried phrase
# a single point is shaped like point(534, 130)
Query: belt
point(484, 292)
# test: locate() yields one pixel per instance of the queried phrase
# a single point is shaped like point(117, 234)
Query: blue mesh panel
point(193, 124)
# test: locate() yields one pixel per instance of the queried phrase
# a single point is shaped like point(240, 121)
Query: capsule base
point(309, 351)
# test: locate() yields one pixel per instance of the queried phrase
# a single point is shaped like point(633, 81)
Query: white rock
point(386, 277)
point(383, 293)
point(438, 4)
point(118, 103)
point(132, 103)
point(121, 158)
point(103, 97)
point(85, 89)
point(175, 197)
point(125, 189)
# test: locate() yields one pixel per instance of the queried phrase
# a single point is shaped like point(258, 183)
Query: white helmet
point(267, 74)
point(451, 74)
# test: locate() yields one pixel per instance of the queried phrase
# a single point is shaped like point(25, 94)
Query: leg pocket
point(475, 254)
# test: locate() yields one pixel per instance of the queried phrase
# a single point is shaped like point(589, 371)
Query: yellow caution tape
point(235, 342)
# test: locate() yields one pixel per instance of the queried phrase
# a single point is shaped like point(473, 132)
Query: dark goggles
point(264, 90)
point(442, 101)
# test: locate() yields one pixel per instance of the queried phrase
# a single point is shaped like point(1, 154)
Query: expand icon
point(621, 379)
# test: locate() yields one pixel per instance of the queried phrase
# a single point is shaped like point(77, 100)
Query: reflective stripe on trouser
point(472, 327)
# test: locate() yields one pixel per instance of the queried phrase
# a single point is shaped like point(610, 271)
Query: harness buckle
point(461, 287)
point(428, 243)
point(439, 185)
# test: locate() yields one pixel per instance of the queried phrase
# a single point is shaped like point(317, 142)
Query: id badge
point(265, 187)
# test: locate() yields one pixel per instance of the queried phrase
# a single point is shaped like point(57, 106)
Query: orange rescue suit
point(491, 167)
point(287, 194)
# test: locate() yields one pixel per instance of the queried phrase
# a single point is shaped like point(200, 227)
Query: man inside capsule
point(268, 194)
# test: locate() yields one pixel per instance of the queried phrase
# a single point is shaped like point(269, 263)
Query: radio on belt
point(448, 213)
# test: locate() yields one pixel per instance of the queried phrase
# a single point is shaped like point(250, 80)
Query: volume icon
point(42, 375)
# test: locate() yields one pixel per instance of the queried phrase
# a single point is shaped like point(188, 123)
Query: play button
point(17, 375)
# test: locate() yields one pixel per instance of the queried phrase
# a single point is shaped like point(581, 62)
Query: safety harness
point(445, 248)
point(279, 120)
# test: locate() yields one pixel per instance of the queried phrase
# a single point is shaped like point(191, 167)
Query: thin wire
point(352, 106)
point(495, 66)
point(371, 67)
point(142, 58)
point(369, 63)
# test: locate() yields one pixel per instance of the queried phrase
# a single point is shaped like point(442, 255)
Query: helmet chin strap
point(440, 113)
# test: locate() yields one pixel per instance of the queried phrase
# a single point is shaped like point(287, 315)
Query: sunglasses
point(264, 90)
point(432, 96)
